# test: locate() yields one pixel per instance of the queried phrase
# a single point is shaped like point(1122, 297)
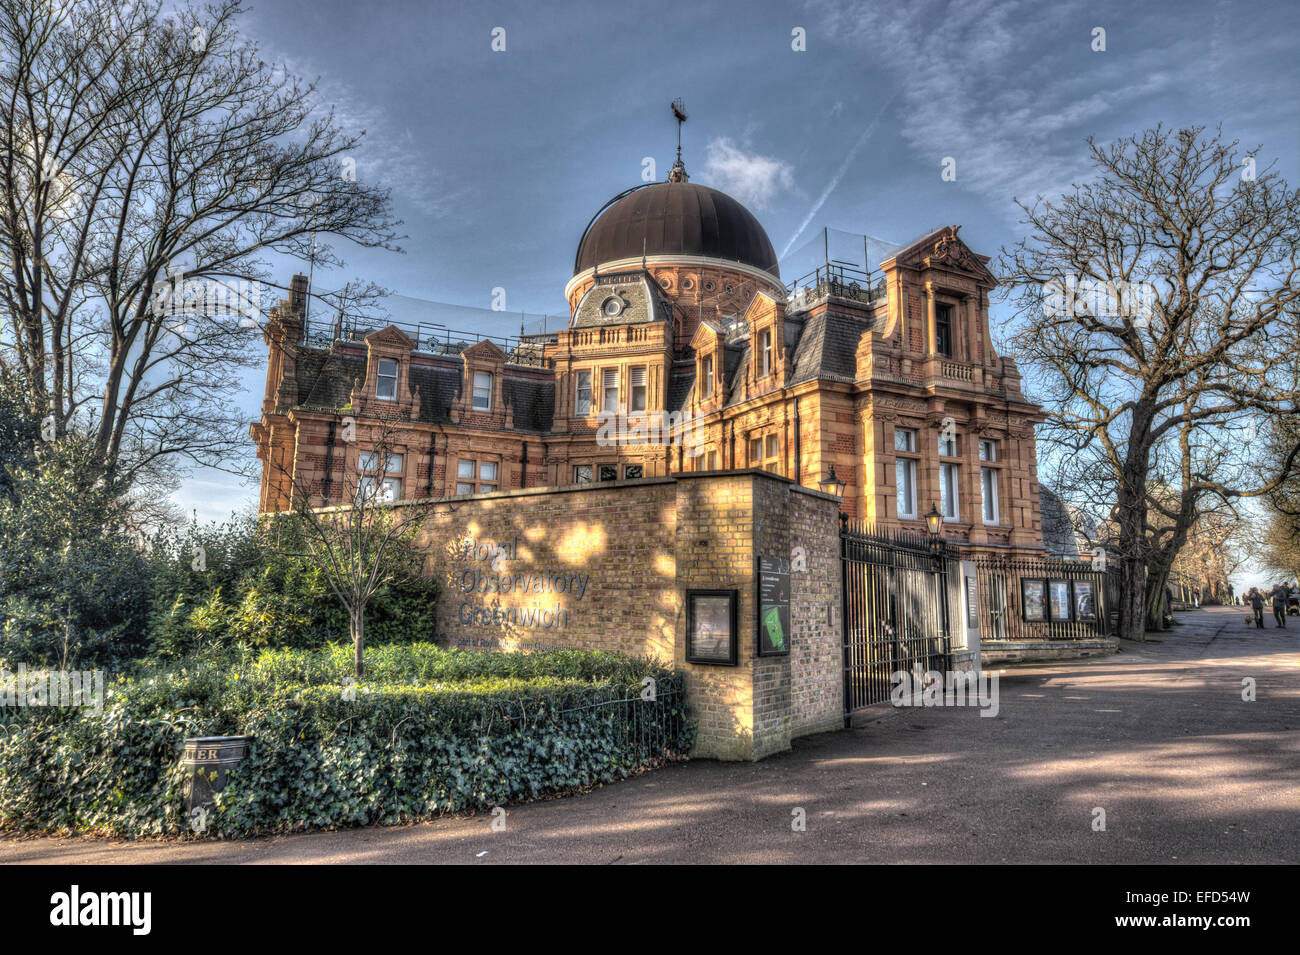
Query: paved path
point(1157, 735)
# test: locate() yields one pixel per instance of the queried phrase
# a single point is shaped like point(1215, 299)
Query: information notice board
point(773, 606)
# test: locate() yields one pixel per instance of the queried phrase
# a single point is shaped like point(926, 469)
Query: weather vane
point(679, 110)
point(679, 170)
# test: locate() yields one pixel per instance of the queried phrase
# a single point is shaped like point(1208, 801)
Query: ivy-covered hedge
point(427, 663)
point(471, 735)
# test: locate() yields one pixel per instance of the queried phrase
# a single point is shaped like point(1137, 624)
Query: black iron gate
point(897, 593)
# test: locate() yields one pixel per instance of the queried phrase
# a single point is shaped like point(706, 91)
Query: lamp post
point(934, 527)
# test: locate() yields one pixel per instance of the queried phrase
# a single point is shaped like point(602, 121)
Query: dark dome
point(676, 218)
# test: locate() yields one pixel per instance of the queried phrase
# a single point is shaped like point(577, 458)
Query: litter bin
point(207, 761)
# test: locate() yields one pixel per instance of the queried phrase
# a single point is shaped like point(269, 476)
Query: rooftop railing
point(431, 339)
point(835, 280)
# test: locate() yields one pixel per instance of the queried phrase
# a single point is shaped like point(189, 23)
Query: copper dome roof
point(675, 218)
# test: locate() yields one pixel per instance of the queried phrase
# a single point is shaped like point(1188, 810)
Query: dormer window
point(706, 376)
point(482, 391)
point(612, 307)
point(386, 380)
point(765, 352)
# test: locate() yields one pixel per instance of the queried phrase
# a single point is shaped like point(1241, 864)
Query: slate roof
point(1059, 536)
point(439, 385)
point(325, 382)
point(735, 361)
point(331, 384)
point(641, 303)
point(680, 383)
point(532, 400)
point(827, 348)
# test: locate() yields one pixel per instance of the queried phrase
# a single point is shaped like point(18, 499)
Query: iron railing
point(431, 338)
point(834, 280)
point(899, 596)
point(1042, 599)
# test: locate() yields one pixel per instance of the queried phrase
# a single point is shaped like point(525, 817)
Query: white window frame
point(474, 398)
point(469, 474)
point(381, 377)
point(949, 491)
point(580, 408)
point(639, 393)
point(390, 489)
point(608, 375)
point(766, 353)
point(989, 482)
point(905, 479)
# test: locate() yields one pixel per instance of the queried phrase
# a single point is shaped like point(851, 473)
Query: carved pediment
point(952, 252)
point(943, 249)
point(708, 333)
point(484, 351)
point(390, 335)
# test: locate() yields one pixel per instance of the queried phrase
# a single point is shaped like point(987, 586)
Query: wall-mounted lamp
point(934, 522)
point(831, 484)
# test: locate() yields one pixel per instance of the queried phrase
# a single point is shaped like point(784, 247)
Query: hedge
point(330, 754)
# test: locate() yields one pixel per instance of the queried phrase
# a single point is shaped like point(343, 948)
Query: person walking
point(1256, 601)
point(1279, 605)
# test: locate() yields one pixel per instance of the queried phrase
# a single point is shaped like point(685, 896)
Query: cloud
point(388, 154)
point(982, 82)
point(749, 177)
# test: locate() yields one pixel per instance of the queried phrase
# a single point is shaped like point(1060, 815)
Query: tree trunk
point(358, 641)
point(1156, 602)
point(1132, 590)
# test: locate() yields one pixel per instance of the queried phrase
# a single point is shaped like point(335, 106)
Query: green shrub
point(425, 664)
point(253, 592)
point(403, 753)
point(74, 585)
point(430, 731)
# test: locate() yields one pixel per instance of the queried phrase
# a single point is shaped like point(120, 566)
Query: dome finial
point(678, 172)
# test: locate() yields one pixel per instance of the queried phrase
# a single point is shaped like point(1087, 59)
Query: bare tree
point(149, 162)
point(1157, 311)
point(362, 542)
point(1280, 533)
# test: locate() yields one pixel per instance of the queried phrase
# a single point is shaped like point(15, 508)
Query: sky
point(497, 158)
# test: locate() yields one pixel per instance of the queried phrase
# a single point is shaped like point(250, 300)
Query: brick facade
point(720, 369)
point(608, 567)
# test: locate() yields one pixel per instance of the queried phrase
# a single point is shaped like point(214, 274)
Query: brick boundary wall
point(607, 566)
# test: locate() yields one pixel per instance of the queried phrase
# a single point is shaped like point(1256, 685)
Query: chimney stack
point(298, 294)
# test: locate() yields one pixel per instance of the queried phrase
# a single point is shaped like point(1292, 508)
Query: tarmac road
point(1158, 736)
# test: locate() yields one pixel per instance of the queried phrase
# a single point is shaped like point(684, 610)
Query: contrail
point(839, 174)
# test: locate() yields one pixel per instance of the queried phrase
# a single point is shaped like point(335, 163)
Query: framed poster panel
point(711, 627)
point(1033, 596)
point(972, 603)
point(1085, 601)
point(1058, 599)
point(773, 581)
